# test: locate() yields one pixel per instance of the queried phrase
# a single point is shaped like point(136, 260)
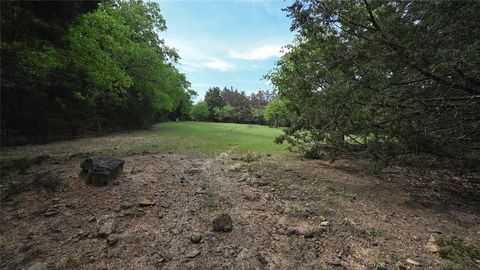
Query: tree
point(392, 77)
point(277, 113)
point(200, 111)
point(101, 70)
point(225, 114)
point(214, 99)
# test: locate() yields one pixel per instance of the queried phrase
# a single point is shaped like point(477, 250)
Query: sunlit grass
point(211, 138)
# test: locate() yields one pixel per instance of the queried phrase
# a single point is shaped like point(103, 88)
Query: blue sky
point(226, 43)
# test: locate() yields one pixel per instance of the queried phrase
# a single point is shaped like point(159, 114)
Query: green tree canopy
point(404, 73)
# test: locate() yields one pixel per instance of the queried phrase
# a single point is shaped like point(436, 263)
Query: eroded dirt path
point(287, 214)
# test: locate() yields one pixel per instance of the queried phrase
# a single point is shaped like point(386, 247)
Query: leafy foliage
point(277, 113)
point(391, 77)
point(200, 111)
point(105, 69)
point(231, 105)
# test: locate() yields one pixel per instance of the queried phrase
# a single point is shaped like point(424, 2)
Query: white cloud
point(260, 53)
point(219, 65)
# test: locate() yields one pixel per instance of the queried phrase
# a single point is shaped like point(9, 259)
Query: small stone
point(222, 223)
point(126, 205)
point(50, 212)
point(324, 223)
point(112, 239)
point(196, 237)
point(413, 262)
point(193, 253)
point(145, 203)
point(165, 204)
point(38, 266)
point(106, 229)
point(278, 208)
point(335, 262)
point(431, 246)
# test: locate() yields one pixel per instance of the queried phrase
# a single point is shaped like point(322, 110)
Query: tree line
point(384, 78)
point(234, 106)
point(70, 68)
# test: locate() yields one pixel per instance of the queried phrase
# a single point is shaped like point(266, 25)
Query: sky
point(226, 43)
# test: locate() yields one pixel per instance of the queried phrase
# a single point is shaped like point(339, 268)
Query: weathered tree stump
point(100, 171)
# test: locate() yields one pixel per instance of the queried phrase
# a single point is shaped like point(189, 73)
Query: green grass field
point(210, 138)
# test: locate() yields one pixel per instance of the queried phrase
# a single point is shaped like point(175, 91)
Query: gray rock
point(222, 223)
point(193, 253)
point(196, 237)
point(126, 205)
point(38, 266)
point(145, 203)
point(101, 171)
point(106, 229)
point(335, 262)
point(51, 212)
point(112, 239)
point(413, 262)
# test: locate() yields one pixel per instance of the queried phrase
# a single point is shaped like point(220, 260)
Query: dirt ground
point(288, 213)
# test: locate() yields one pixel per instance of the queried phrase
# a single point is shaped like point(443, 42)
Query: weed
point(460, 255)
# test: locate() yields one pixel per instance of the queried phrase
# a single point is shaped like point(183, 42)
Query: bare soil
point(288, 213)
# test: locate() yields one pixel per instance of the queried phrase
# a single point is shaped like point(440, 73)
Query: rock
point(126, 205)
point(335, 262)
point(106, 229)
point(193, 253)
point(38, 266)
point(431, 246)
point(278, 208)
point(112, 239)
point(51, 212)
point(101, 171)
point(222, 223)
point(324, 223)
point(165, 204)
point(196, 237)
point(145, 203)
point(244, 177)
point(413, 262)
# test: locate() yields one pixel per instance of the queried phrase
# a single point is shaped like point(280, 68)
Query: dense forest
point(70, 68)
point(383, 78)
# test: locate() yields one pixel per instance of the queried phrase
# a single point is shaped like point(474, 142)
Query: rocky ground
point(172, 211)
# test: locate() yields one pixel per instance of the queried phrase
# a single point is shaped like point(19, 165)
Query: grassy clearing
point(194, 138)
point(211, 138)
